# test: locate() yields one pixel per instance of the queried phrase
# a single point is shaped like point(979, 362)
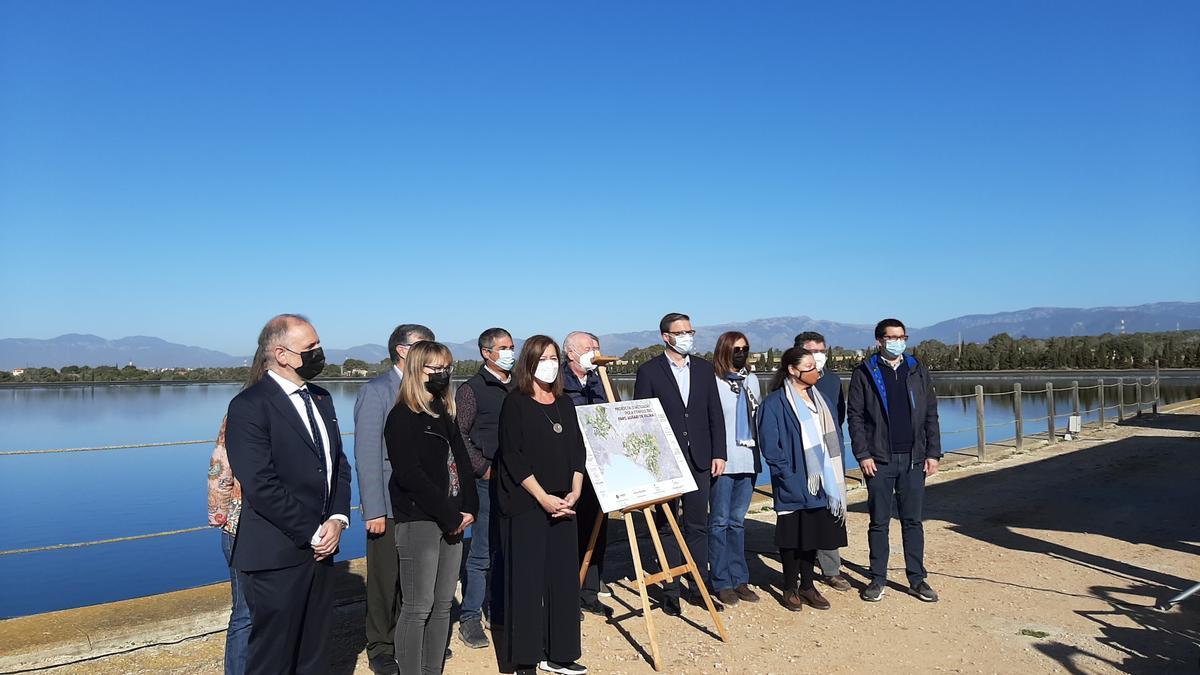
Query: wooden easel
point(668, 574)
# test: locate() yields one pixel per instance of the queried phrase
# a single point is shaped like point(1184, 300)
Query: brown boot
point(746, 594)
point(812, 596)
point(837, 582)
point(792, 601)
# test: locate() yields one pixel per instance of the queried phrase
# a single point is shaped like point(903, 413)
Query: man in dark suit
point(285, 448)
point(686, 386)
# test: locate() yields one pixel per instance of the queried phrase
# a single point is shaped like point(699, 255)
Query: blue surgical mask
point(506, 360)
point(894, 348)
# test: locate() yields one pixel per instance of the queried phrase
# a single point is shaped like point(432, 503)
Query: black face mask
point(312, 362)
point(739, 359)
point(438, 383)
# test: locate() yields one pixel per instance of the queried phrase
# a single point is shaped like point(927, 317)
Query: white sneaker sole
point(544, 666)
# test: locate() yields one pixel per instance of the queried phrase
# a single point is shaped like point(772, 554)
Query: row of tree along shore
point(1175, 349)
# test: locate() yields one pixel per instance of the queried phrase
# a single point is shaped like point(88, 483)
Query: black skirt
point(810, 529)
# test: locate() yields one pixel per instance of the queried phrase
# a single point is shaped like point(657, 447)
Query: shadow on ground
point(1140, 490)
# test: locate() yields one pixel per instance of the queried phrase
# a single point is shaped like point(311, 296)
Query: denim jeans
point(475, 576)
point(903, 480)
point(728, 503)
point(238, 633)
point(428, 575)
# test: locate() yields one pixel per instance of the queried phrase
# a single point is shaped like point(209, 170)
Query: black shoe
point(471, 634)
point(923, 592)
point(449, 654)
point(873, 592)
point(571, 668)
point(383, 664)
point(670, 606)
point(595, 607)
point(526, 670)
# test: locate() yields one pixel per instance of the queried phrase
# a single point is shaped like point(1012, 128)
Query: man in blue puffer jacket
point(893, 420)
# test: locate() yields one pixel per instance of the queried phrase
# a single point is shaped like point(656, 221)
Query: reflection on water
point(86, 496)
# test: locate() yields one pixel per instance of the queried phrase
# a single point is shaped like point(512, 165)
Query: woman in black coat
point(433, 499)
point(540, 477)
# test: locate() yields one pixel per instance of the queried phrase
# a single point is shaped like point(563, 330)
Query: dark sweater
point(900, 426)
point(478, 403)
point(529, 447)
point(420, 447)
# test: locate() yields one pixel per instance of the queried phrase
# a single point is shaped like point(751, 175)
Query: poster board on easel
point(636, 465)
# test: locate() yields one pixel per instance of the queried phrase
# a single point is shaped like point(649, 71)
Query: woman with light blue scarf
point(729, 498)
point(798, 439)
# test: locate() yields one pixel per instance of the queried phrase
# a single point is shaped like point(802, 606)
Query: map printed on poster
point(632, 454)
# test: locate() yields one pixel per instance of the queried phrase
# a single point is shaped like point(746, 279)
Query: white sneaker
point(564, 668)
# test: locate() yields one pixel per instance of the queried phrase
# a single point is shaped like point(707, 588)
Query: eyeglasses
point(437, 370)
point(741, 350)
point(681, 333)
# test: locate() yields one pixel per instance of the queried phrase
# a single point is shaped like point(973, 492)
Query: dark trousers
point(903, 481)
point(291, 612)
point(694, 524)
point(383, 590)
point(540, 588)
point(586, 510)
point(476, 577)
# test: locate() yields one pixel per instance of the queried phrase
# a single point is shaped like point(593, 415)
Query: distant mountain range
point(152, 352)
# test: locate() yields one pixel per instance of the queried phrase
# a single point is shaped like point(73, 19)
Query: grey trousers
point(830, 562)
point(428, 576)
point(383, 590)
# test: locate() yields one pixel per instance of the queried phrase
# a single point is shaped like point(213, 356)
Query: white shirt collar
point(396, 367)
point(687, 361)
point(503, 379)
point(288, 386)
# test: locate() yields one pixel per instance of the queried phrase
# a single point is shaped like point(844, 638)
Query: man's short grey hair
point(488, 338)
point(275, 332)
point(572, 339)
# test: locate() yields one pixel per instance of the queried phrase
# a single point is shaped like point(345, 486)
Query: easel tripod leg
point(591, 547)
point(641, 584)
point(696, 576)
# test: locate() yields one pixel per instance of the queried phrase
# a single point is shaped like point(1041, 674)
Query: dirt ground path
point(1049, 561)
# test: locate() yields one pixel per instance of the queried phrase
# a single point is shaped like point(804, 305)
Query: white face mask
point(506, 360)
point(683, 343)
point(585, 361)
point(547, 371)
point(820, 360)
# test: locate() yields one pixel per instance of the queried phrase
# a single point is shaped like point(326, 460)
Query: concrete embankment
point(1046, 560)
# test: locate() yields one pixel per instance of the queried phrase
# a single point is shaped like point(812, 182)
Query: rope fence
point(1120, 406)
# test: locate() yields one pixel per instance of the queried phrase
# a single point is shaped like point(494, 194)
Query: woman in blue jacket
point(797, 438)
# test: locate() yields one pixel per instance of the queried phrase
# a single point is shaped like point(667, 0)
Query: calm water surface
point(73, 497)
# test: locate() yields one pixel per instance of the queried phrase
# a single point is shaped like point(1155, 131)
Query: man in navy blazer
point(285, 448)
point(686, 386)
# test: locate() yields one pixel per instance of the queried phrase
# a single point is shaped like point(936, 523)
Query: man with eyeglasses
point(893, 421)
point(478, 402)
point(371, 408)
point(686, 386)
point(830, 387)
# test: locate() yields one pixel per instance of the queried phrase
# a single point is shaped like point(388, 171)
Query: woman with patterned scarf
point(799, 441)
point(729, 498)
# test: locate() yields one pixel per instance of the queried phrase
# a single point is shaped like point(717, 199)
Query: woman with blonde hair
point(433, 499)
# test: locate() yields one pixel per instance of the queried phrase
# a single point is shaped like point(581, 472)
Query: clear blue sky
point(186, 170)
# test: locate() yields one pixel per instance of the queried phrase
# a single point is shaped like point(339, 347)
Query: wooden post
point(1017, 421)
point(1157, 385)
point(1137, 389)
point(1120, 399)
point(980, 437)
point(1075, 397)
point(1050, 437)
point(1101, 390)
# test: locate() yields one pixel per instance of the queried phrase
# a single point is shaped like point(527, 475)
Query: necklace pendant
point(557, 428)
